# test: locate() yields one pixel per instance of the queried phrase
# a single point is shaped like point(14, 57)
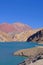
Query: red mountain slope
point(17, 27)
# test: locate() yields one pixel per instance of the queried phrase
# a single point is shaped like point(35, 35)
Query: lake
point(7, 48)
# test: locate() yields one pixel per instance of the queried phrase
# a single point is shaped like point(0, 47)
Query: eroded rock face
point(37, 37)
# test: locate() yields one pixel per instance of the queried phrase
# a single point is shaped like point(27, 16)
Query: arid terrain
point(20, 32)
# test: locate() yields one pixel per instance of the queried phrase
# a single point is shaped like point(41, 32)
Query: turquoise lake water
point(6, 50)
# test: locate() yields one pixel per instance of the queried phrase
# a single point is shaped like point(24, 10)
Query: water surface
point(7, 48)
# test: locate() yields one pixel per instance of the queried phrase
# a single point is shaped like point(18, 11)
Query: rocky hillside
point(36, 37)
point(4, 37)
point(23, 35)
point(30, 35)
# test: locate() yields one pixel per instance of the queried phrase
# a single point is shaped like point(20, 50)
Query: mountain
point(35, 35)
point(11, 30)
point(20, 32)
point(15, 27)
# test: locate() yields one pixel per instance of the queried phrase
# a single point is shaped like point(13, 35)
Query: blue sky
point(25, 11)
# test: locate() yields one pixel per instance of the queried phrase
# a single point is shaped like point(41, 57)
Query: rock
point(37, 59)
point(36, 37)
point(39, 62)
point(31, 52)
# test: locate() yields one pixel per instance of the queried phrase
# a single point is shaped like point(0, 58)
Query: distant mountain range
point(20, 32)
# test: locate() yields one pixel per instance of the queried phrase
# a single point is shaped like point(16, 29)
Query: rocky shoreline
point(34, 56)
point(29, 52)
point(32, 61)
